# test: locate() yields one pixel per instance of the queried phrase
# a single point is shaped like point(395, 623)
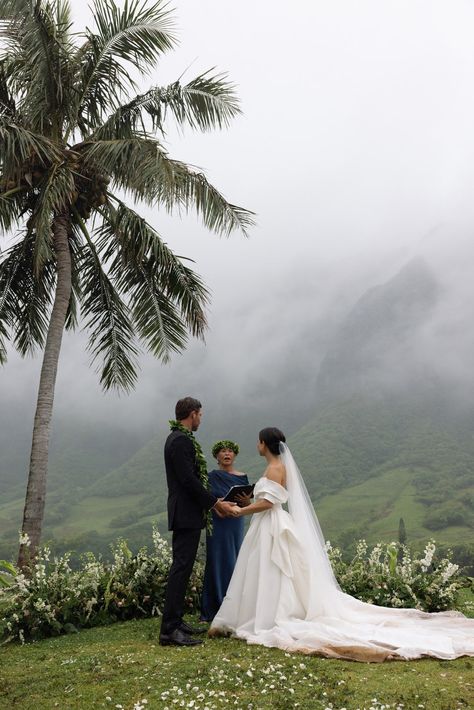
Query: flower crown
point(225, 444)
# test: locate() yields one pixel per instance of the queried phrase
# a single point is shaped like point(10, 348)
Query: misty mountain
point(376, 348)
point(80, 452)
point(378, 433)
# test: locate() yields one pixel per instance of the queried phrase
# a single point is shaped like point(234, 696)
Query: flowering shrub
point(388, 575)
point(56, 599)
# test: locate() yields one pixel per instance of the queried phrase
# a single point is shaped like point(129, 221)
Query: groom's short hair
point(185, 406)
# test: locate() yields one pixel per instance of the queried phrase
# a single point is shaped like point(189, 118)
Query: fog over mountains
point(278, 363)
point(364, 392)
point(378, 345)
point(356, 150)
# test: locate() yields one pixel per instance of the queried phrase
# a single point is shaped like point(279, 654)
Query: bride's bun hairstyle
point(271, 437)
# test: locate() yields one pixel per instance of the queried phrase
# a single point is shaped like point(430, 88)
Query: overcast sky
point(355, 149)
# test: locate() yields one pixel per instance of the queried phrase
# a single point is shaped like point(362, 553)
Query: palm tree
point(77, 138)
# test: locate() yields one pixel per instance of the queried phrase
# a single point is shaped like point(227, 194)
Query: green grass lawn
point(122, 666)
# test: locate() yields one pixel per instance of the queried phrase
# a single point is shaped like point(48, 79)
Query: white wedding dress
point(283, 593)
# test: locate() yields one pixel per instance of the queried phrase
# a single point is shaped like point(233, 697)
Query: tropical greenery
point(57, 599)
point(368, 459)
point(391, 575)
point(78, 135)
point(92, 499)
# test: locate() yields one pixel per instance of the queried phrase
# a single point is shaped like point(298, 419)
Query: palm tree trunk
point(36, 491)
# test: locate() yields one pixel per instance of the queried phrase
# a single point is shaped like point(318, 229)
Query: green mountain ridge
point(366, 464)
point(387, 438)
point(361, 442)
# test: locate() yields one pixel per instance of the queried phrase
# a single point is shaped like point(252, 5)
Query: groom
point(189, 501)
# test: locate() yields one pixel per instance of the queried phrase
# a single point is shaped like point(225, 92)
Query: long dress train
point(280, 595)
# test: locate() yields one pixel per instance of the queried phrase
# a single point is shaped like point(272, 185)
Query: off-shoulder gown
point(272, 600)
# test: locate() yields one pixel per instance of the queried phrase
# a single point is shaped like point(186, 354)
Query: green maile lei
point(201, 464)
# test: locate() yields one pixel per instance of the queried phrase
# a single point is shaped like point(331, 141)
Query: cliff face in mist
point(375, 416)
point(377, 348)
point(390, 437)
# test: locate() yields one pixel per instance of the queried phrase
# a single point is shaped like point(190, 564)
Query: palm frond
point(129, 284)
point(12, 206)
point(192, 190)
point(38, 46)
point(124, 232)
point(130, 242)
point(141, 167)
point(52, 23)
point(7, 272)
point(25, 299)
point(7, 101)
point(112, 334)
point(156, 317)
point(144, 267)
point(205, 102)
point(138, 33)
point(11, 9)
point(93, 102)
point(63, 14)
point(3, 338)
point(18, 144)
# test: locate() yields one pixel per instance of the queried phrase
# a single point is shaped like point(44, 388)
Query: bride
point(283, 592)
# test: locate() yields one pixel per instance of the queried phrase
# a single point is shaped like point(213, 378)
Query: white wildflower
point(24, 539)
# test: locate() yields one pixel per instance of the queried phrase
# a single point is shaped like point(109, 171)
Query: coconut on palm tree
point(76, 139)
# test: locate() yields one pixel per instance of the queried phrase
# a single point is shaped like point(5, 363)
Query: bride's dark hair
point(271, 436)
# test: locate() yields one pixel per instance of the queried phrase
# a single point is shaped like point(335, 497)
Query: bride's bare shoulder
point(276, 472)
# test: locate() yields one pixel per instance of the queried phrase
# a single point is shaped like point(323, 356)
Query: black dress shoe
point(178, 638)
point(188, 629)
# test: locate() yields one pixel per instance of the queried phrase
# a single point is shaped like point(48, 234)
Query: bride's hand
point(235, 512)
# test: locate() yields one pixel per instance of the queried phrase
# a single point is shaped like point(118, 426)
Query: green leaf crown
point(225, 444)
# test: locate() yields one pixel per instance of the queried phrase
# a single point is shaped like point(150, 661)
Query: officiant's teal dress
point(222, 547)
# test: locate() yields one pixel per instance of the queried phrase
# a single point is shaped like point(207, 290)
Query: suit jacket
point(188, 499)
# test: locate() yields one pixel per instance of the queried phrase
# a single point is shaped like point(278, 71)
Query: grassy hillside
point(350, 442)
point(386, 439)
point(367, 463)
point(373, 509)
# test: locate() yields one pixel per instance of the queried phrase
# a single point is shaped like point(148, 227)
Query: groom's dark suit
point(188, 502)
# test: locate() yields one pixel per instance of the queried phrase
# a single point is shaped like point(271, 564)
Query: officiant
point(222, 547)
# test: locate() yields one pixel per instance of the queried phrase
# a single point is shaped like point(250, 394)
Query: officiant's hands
point(223, 508)
point(243, 500)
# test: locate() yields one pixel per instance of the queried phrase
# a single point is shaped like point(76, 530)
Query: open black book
point(237, 491)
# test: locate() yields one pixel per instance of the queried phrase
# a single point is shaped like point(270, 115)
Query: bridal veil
point(283, 593)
